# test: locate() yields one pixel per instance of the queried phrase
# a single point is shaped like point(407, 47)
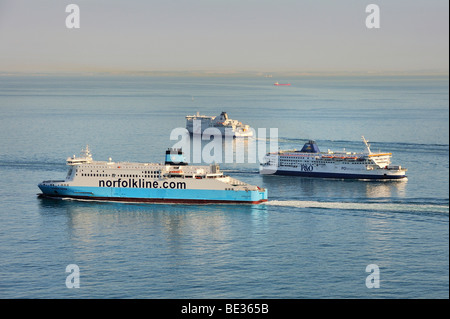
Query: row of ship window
point(143, 172)
point(102, 167)
point(320, 162)
point(119, 175)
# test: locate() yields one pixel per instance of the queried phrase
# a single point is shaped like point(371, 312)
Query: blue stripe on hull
point(337, 175)
point(155, 195)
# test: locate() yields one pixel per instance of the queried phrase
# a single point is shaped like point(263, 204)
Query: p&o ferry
point(196, 124)
point(310, 162)
point(173, 181)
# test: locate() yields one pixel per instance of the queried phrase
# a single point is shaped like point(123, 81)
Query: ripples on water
point(313, 239)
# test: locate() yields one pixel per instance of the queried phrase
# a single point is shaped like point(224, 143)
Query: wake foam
point(362, 206)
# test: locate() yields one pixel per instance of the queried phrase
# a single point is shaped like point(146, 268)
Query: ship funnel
point(310, 147)
point(175, 156)
point(224, 116)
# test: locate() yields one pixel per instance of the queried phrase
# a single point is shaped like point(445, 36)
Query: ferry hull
point(184, 196)
point(337, 175)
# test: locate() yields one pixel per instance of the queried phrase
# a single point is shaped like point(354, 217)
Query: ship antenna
point(86, 152)
point(367, 145)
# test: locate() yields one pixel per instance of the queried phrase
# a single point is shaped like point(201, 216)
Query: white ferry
point(173, 181)
point(310, 162)
point(196, 124)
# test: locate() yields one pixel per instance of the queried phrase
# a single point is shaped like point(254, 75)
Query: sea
point(314, 239)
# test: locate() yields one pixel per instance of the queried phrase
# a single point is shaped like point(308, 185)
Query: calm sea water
point(313, 239)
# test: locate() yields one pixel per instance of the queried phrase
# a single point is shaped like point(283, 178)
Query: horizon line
point(210, 73)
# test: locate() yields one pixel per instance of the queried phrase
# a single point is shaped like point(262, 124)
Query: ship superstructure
point(173, 181)
point(310, 162)
point(196, 124)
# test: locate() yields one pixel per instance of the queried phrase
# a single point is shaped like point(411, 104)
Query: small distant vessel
point(279, 84)
point(310, 162)
point(225, 125)
point(173, 181)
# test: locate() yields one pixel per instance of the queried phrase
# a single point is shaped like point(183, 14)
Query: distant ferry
point(224, 125)
point(310, 162)
point(173, 181)
point(278, 84)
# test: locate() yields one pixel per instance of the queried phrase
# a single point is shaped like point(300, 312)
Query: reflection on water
point(90, 222)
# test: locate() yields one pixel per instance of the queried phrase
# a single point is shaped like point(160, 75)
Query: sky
point(325, 36)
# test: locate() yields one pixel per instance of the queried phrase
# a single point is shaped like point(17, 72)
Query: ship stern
point(259, 196)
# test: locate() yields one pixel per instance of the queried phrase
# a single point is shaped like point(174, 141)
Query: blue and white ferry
point(310, 162)
point(173, 181)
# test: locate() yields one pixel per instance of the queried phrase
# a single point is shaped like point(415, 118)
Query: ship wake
point(391, 207)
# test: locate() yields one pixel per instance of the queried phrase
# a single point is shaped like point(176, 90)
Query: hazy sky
point(224, 35)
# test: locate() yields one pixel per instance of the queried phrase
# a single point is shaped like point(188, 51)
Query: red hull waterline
point(154, 200)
